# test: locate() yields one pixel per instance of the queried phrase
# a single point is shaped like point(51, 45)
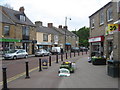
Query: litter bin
point(44, 63)
point(113, 68)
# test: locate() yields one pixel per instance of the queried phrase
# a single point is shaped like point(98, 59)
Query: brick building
point(101, 40)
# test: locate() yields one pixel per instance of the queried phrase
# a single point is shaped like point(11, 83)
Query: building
point(103, 39)
point(17, 30)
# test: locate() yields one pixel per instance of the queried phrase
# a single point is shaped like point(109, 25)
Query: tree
point(83, 34)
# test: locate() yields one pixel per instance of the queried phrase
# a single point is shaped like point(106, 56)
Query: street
point(86, 75)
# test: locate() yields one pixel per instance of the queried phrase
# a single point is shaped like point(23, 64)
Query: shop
point(97, 45)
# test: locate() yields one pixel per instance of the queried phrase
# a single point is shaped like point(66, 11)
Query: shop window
point(109, 15)
point(6, 30)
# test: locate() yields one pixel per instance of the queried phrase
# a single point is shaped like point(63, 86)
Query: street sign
point(44, 63)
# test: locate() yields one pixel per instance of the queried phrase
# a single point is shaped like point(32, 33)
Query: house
point(17, 30)
point(102, 39)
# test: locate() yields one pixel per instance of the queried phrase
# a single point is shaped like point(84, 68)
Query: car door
point(18, 54)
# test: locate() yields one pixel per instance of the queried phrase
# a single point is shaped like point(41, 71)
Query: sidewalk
point(85, 76)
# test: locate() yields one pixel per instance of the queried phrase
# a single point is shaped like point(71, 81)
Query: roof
point(5, 19)
point(12, 14)
point(47, 30)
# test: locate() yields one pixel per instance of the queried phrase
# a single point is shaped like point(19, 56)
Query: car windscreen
point(11, 51)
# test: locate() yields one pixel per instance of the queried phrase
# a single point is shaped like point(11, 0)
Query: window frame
point(109, 14)
point(93, 23)
point(101, 16)
point(45, 37)
point(8, 30)
point(22, 18)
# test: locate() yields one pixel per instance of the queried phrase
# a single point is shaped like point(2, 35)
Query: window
point(119, 7)
point(22, 18)
point(109, 15)
point(101, 18)
point(6, 30)
point(45, 37)
point(26, 30)
point(92, 23)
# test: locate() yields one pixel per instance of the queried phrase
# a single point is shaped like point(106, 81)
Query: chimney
point(65, 27)
point(60, 26)
point(22, 9)
point(50, 25)
point(38, 23)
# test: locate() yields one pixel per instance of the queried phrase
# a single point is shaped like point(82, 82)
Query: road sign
point(44, 63)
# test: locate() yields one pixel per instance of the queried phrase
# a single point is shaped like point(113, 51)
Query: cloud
point(55, 11)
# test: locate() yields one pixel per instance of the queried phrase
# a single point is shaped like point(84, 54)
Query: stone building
point(17, 30)
point(102, 40)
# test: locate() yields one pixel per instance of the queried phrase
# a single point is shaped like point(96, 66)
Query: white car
point(16, 53)
point(42, 52)
point(64, 72)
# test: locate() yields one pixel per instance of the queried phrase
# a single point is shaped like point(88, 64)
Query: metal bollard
point(82, 52)
point(61, 56)
point(70, 55)
point(86, 51)
point(49, 60)
point(78, 53)
point(4, 79)
point(66, 55)
point(56, 58)
point(40, 68)
point(74, 53)
point(27, 70)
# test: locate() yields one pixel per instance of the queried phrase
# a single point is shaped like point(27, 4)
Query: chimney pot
point(38, 23)
point(65, 27)
point(22, 9)
point(60, 26)
point(50, 25)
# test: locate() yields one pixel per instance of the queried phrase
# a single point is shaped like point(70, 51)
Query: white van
point(56, 50)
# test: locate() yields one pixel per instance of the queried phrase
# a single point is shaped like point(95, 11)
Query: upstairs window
point(45, 37)
point(25, 30)
point(6, 30)
point(109, 15)
point(101, 18)
point(92, 23)
point(119, 7)
point(22, 18)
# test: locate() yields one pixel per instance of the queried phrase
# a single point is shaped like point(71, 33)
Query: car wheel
point(26, 56)
point(14, 57)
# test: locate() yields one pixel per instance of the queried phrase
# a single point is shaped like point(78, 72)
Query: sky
point(55, 11)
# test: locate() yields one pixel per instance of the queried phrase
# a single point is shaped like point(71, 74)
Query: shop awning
point(9, 40)
point(68, 44)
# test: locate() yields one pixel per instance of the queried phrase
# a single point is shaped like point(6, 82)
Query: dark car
point(75, 49)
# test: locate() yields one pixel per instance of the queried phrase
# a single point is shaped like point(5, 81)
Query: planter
point(98, 61)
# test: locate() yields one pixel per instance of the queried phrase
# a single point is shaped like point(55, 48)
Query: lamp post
point(66, 29)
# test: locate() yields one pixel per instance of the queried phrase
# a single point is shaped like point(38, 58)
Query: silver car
point(17, 53)
point(42, 52)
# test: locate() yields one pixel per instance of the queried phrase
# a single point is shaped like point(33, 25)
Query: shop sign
point(112, 28)
point(96, 39)
point(9, 40)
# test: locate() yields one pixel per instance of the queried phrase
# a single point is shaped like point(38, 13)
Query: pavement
point(85, 76)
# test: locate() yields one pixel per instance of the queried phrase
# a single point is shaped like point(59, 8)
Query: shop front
point(97, 46)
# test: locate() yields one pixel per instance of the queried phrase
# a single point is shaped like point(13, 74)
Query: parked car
point(75, 49)
point(42, 52)
point(83, 49)
point(16, 53)
point(64, 72)
point(56, 50)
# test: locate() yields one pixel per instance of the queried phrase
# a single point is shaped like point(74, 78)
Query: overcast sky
point(55, 11)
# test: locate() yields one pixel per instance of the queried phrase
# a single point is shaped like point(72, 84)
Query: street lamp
point(66, 29)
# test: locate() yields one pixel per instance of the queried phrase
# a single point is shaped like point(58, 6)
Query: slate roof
point(12, 14)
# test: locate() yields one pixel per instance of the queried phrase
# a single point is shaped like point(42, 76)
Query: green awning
point(9, 40)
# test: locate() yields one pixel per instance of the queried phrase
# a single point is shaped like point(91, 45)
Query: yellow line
point(22, 74)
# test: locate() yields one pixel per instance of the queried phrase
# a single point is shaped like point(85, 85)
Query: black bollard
point(86, 51)
point(49, 60)
point(56, 58)
point(4, 79)
point(61, 56)
point(78, 53)
point(70, 55)
point(74, 53)
point(40, 62)
point(66, 55)
point(27, 70)
point(82, 52)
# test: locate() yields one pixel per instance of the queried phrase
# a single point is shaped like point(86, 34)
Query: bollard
point(27, 70)
point(74, 53)
point(82, 52)
point(70, 54)
point(4, 79)
point(66, 55)
point(61, 56)
point(56, 58)
point(86, 51)
point(40, 68)
point(78, 53)
point(49, 60)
